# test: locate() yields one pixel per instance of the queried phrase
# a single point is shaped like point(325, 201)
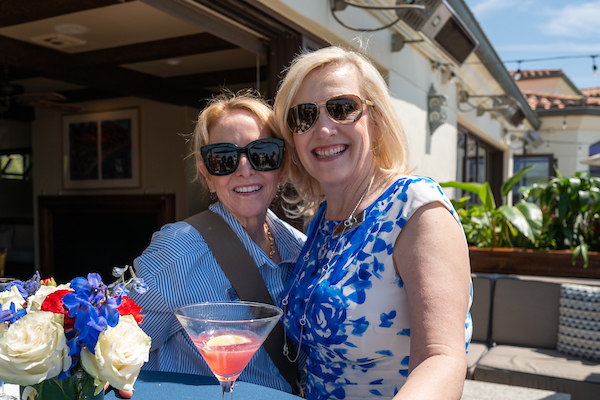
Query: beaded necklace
point(353, 221)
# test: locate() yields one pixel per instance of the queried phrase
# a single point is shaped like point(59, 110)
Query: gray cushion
point(525, 313)
point(481, 308)
point(540, 368)
point(476, 351)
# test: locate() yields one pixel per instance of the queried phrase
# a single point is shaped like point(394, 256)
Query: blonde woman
point(241, 161)
point(380, 296)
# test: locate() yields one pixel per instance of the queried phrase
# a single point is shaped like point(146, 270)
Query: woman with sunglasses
point(241, 162)
point(380, 295)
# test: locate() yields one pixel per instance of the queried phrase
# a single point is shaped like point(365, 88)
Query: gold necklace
point(349, 223)
point(271, 241)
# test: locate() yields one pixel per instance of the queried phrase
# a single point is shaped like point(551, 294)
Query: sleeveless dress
point(351, 305)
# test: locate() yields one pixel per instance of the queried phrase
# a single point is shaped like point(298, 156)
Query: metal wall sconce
point(437, 104)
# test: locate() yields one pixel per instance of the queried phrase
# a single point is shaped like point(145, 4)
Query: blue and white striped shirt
point(179, 269)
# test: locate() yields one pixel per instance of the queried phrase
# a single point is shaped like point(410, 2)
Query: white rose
point(120, 353)
point(11, 296)
point(34, 302)
point(34, 349)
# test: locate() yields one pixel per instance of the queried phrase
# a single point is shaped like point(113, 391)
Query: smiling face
point(246, 193)
point(336, 155)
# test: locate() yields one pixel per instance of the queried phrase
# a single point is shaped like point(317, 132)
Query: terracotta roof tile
point(547, 101)
point(591, 92)
point(539, 73)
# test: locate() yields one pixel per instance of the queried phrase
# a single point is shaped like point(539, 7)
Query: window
point(478, 161)
point(15, 164)
point(595, 169)
point(540, 174)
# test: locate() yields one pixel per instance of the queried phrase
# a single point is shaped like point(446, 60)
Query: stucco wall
point(410, 74)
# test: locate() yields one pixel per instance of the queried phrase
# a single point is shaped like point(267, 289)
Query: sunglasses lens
point(223, 159)
point(344, 109)
point(265, 156)
point(302, 117)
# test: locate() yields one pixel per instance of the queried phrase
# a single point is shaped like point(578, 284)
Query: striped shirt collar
point(288, 246)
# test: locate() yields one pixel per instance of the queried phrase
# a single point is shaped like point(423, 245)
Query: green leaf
point(487, 197)
point(532, 212)
point(563, 205)
point(469, 187)
point(583, 250)
point(575, 184)
point(576, 253)
point(508, 185)
point(584, 200)
point(584, 253)
point(519, 221)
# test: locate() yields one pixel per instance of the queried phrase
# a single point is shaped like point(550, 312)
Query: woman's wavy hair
point(393, 153)
point(249, 100)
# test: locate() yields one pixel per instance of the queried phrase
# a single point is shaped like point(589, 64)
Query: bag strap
point(240, 269)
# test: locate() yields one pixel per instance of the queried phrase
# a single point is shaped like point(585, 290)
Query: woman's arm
point(431, 257)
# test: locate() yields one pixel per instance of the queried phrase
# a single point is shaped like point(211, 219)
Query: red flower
point(128, 307)
point(53, 303)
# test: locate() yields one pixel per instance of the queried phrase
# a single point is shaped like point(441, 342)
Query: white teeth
point(331, 152)
point(247, 189)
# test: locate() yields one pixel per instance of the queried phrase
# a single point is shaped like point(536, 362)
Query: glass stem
point(227, 387)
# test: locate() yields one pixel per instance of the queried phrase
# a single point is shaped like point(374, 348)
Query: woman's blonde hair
point(392, 158)
point(218, 106)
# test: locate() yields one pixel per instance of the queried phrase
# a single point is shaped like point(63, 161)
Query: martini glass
point(227, 334)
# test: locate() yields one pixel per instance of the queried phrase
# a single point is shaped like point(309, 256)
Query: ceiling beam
point(20, 12)
point(214, 78)
point(198, 16)
point(57, 65)
point(156, 50)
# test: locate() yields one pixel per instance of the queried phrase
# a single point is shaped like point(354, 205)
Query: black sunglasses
point(345, 109)
point(224, 158)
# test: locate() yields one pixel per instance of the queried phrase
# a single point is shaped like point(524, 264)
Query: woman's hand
point(119, 394)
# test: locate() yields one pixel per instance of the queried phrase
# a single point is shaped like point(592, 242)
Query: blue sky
point(534, 29)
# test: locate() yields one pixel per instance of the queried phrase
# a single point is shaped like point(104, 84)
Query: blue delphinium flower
point(94, 310)
point(28, 287)
point(11, 315)
point(120, 290)
point(122, 286)
point(139, 286)
point(117, 272)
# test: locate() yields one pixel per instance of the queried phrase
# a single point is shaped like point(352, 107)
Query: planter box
point(533, 262)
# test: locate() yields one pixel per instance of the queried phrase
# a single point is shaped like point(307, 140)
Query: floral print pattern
point(348, 310)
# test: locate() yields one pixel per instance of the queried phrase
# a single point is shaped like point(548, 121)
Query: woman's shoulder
point(175, 240)
point(409, 192)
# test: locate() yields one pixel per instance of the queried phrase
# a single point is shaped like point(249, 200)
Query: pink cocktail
point(227, 352)
point(228, 334)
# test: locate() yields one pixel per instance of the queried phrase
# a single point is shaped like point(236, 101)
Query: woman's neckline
point(368, 208)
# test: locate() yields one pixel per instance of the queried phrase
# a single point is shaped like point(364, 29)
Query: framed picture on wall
point(101, 150)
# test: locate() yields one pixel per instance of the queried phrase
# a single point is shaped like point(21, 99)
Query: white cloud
point(574, 20)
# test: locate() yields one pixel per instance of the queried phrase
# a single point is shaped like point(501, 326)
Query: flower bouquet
point(84, 331)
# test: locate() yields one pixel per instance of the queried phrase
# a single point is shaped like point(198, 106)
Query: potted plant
point(571, 213)
point(528, 239)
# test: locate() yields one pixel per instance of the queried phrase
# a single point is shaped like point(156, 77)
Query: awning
point(592, 160)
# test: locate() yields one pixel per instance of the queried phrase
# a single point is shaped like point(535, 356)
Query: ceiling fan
point(11, 93)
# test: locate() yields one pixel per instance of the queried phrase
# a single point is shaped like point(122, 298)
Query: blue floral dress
point(351, 304)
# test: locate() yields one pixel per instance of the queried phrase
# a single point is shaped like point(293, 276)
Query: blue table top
point(168, 385)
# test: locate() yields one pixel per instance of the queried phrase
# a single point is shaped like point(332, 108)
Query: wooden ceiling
point(136, 48)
